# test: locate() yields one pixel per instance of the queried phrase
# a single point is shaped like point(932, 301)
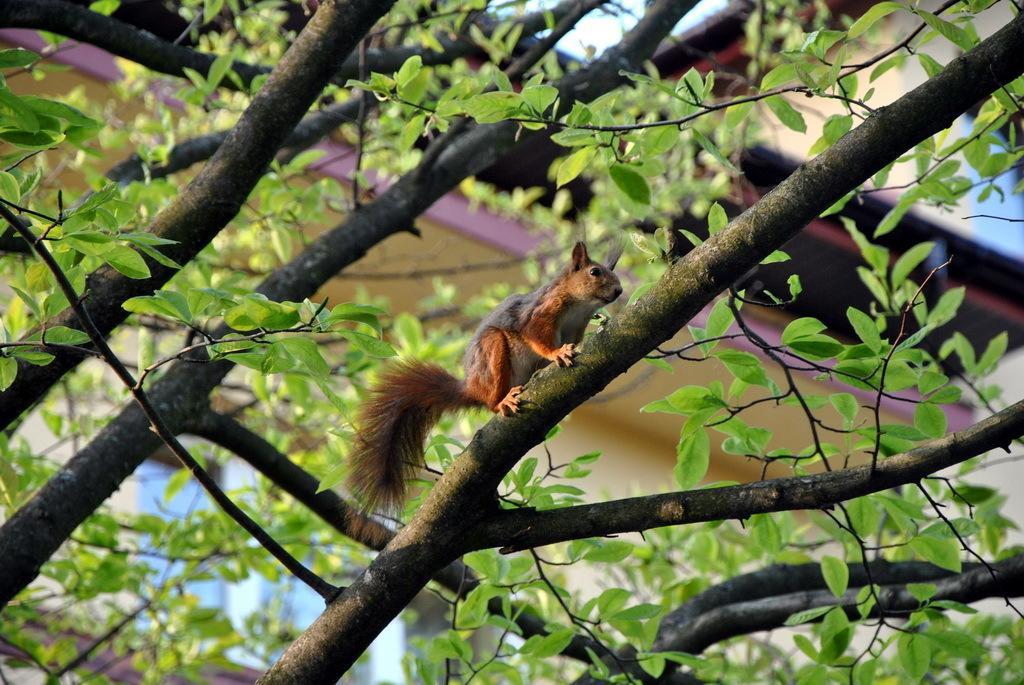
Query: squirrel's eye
point(594, 271)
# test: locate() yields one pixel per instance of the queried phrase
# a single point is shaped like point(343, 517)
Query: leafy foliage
point(664, 144)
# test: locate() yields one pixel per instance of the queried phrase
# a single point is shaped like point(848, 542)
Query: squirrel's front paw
point(565, 354)
point(510, 405)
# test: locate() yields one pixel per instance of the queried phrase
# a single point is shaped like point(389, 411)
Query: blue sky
point(601, 30)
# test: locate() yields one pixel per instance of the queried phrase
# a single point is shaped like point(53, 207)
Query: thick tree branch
point(464, 494)
point(336, 512)
point(34, 381)
point(213, 198)
point(306, 133)
point(98, 469)
point(764, 599)
point(772, 582)
point(208, 203)
point(742, 618)
point(142, 47)
point(522, 529)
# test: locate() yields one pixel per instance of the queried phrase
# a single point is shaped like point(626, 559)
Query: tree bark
point(200, 211)
point(142, 47)
point(214, 197)
point(517, 529)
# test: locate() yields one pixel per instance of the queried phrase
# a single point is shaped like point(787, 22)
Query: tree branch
point(214, 197)
point(742, 618)
point(199, 212)
point(336, 512)
point(142, 47)
point(522, 529)
point(679, 628)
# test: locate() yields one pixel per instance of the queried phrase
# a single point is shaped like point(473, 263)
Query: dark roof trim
point(973, 263)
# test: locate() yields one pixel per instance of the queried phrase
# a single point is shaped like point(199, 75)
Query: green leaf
point(409, 69)
point(127, 261)
point(218, 69)
point(8, 372)
point(609, 551)
point(776, 257)
point(807, 615)
point(368, 344)
point(784, 73)
point(62, 335)
point(801, 328)
point(836, 574)
point(744, 366)
point(105, 7)
point(891, 219)
point(719, 319)
point(163, 303)
point(943, 552)
point(869, 18)
point(845, 404)
point(909, 261)
point(414, 90)
point(638, 612)
point(915, 337)
point(786, 114)
point(411, 131)
point(256, 311)
point(865, 328)
point(693, 455)
point(994, 351)
point(951, 31)
point(946, 307)
point(488, 108)
point(630, 183)
point(551, 644)
point(766, 533)
point(307, 353)
point(9, 483)
point(712, 149)
point(18, 110)
point(17, 57)
point(956, 642)
point(921, 591)
point(915, 655)
point(930, 420)
point(836, 633)
point(717, 218)
point(795, 287)
point(362, 313)
point(573, 165)
point(10, 190)
point(540, 97)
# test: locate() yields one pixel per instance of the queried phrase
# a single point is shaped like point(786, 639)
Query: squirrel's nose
point(618, 291)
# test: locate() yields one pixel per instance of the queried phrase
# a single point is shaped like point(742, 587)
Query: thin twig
point(317, 584)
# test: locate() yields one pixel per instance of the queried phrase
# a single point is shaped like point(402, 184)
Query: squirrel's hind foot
point(510, 405)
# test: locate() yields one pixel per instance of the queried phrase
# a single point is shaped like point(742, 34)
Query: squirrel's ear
point(614, 253)
point(580, 258)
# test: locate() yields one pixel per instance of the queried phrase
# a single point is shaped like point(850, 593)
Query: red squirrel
point(523, 334)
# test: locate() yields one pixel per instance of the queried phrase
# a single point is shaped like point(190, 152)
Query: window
point(996, 211)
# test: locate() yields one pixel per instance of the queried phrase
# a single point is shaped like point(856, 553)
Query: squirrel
point(523, 334)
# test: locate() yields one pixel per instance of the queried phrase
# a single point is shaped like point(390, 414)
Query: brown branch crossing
point(521, 529)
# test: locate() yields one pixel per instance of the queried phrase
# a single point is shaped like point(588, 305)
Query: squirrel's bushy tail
point(407, 400)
